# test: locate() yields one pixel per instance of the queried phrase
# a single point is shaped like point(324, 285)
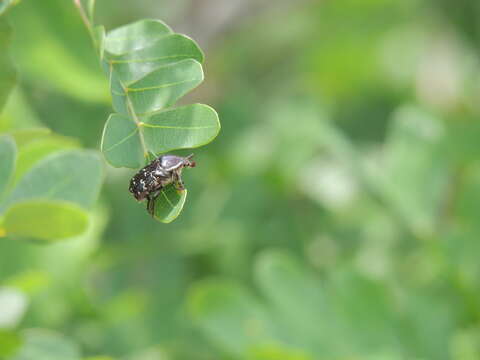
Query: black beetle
point(163, 171)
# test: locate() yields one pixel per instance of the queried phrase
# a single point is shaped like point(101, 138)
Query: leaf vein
point(160, 86)
point(126, 61)
point(177, 127)
point(168, 200)
point(123, 140)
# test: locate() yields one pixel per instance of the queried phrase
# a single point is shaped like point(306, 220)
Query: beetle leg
point(151, 202)
point(179, 185)
point(150, 205)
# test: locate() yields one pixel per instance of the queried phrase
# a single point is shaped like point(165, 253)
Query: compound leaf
point(150, 68)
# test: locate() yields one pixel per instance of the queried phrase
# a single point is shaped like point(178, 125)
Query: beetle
point(163, 171)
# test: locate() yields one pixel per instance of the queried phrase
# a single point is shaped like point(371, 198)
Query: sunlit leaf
point(45, 220)
point(8, 154)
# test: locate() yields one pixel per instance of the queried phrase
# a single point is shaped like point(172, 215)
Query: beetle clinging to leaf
point(163, 171)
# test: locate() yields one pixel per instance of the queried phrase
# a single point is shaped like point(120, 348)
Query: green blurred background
point(335, 216)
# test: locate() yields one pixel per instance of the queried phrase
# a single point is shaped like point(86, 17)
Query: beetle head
point(188, 162)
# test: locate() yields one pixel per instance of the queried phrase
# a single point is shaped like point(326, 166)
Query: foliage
point(335, 218)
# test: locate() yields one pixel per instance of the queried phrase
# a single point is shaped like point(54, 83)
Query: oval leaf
point(45, 220)
point(163, 87)
point(169, 204)
point(135, 36)
point(121, 142)
point(182, 128)
point(168, 49)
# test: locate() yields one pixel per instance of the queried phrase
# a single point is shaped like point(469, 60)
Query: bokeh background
point(335, 216)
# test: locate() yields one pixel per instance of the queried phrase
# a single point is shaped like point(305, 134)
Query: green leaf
point(162, 87)
point(73, 175)
point(46, 345)
point(135, 36)
point(186, 127)
point(34, 151)
point(9, 343)
point(170, 204)
point(121, 144)
point(8, 154)
point(45, 220)
point(166, 50)
point(156, 90)
point(181, 128)
point(8, 75)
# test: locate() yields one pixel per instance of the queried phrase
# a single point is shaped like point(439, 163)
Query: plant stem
point(88, 24)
